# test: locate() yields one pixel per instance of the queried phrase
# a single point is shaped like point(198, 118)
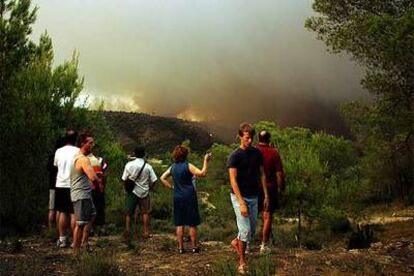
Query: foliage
point(34, 98)
point(37, 104)
point(380, 36)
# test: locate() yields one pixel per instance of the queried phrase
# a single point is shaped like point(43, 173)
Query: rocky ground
point(391, 254)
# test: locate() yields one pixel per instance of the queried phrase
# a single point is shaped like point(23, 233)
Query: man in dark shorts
point(273, 169)
point(64, 162)
point(82, 176)
point(246, 174)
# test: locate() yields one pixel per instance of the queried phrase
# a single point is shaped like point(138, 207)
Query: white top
point(147, 177)
point(64, 157)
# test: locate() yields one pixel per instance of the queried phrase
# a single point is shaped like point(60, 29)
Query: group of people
point(256, 178)
point(77, 189)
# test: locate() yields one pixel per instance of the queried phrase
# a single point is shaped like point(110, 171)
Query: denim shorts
point(246, 225)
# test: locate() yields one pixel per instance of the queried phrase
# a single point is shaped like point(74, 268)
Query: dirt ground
point(391, 254)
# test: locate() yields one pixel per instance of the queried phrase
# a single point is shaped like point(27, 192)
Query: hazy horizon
point(221, 61)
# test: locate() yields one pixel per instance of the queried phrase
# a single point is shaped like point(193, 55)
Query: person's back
point(64, 163)
point(271, 163)
point(144, 181)
point(183, 179)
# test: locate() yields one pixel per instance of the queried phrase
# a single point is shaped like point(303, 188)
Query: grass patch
point(261, 266)
point(22, 266)
point(96, 264)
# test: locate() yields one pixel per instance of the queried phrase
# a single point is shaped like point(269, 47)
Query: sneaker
point(265, 250)
point(195, 250)
point(62, 244)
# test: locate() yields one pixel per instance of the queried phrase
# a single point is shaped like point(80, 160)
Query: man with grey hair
point(273, 169)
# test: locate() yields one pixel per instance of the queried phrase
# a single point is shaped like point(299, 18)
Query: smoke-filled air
point(218, 61)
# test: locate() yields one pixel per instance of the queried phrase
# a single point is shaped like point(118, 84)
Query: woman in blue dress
point(185, 196)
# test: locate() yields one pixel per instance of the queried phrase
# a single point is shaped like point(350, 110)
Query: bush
point(334, 219)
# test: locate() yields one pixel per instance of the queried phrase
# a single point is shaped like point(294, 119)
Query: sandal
point(242, 269)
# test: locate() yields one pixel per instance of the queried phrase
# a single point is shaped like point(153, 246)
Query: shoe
point(62, 244)
point(180, 250)
point(195, 250)
point(265, 250)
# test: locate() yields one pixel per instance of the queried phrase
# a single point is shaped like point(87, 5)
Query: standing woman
point(185, 197)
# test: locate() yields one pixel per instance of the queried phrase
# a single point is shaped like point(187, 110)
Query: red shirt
point(271, 163)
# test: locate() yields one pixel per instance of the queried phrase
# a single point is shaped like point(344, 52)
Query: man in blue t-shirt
point(246, 174)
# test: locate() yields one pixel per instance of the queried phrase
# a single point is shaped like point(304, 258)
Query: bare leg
point(235, 244)
point(267, 226)
point(77, 238)
point(145, 224)
point(180, 234)
point(51, 218)
point(193, 236)
point(85, 234)
point(242, 249)
point(72, 225)
point(127, 234)
point(62, 224)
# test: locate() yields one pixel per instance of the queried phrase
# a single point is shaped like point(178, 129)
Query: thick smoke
point(218, 61)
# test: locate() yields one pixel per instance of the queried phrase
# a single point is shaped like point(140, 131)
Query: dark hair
point(139, 151)
point(180, 153)
point(83, 137)
point(71, 136)
point(264, 136)
point(246, 127)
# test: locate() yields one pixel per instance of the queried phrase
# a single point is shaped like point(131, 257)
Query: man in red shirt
point(273, 169)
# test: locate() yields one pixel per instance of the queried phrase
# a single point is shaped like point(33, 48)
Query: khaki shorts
point(132, 201)
point(52, 198)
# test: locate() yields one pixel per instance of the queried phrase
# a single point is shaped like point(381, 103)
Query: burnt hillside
point(158, 134)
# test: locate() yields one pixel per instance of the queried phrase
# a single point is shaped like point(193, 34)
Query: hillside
point(158, 134)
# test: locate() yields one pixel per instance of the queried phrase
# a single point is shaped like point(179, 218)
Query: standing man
point(273, 169)
point(143, 175)
point(82, 178)
point(246, 174)
point(64, 162)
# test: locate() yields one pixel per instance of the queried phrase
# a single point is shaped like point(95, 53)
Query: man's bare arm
point(233, 182)
point(87, 168)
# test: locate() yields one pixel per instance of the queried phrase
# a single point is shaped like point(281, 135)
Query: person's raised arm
point(197, 172)
point(164, 178)
point(233, 182)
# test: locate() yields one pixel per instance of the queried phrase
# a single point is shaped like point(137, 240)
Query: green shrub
point(334, 219)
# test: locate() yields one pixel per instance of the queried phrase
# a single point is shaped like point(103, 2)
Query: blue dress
point(185, 197)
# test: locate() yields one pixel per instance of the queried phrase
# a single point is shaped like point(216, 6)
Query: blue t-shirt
point(248, 163)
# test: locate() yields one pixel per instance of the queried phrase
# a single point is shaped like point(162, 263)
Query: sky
point(223, 61)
